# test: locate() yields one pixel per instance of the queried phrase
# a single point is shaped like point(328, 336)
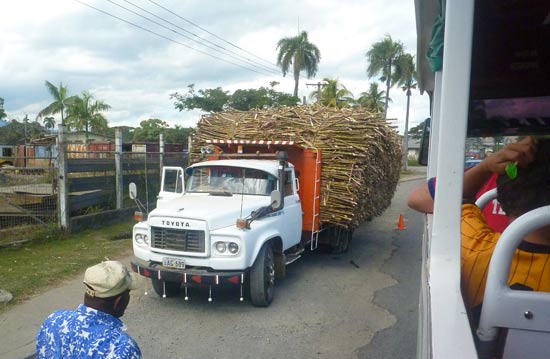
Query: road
point(361, 304)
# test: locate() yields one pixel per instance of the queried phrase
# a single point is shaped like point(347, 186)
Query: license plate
point(173, 262)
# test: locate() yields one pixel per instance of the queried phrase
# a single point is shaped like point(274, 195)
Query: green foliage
point(383, 58)
point(245, 100)
point(150, 130)
point(85, 113)
point(14, 132)
point(210, 100)
point(2, 112)
point(49, 122)
point(301, 54)
point(333, 94)
point(416, 131)
point(374, 99)
point(60, 103)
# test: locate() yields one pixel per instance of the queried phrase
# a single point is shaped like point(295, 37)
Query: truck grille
point(184, 240)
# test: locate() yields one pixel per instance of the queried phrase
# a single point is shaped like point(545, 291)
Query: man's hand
point(521, 153)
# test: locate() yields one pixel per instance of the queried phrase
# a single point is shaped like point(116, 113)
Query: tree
point(2, 112)
point(374, 99)
point(149, 130)
point(333, 94)
point(49, 122)
point(217, 100)
point(209, 100)
point(301, 54)
point(416, 131)
point(15, 132)
point(85, 113)
point(383, 58)
point(245, 100)
point(60, 103)
point(406, 75)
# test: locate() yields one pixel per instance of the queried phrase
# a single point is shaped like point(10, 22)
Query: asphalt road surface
point(361, 304)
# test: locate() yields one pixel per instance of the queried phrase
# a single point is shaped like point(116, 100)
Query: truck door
point(172, 183)
point(292, 229)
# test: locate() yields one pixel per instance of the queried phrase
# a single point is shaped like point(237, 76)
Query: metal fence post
point(63, 181)
point(161, 154)
point(118, 169)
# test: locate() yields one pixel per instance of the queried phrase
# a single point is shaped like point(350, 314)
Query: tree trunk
point(296, 77)
point(388, 84)
point(406, 135)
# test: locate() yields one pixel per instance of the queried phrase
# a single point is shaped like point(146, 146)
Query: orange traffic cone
point(401, 223)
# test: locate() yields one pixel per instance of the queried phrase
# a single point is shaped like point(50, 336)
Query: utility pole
point(319, 86)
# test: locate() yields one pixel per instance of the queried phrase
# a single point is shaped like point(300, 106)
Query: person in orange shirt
point(529, 190)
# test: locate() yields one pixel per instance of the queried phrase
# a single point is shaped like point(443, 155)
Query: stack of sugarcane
point(361, 152)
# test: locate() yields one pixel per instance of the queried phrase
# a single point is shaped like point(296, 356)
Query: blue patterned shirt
point(84, 333)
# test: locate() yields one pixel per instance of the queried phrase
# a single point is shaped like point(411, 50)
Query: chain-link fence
point(28, 197)
point(91, 182)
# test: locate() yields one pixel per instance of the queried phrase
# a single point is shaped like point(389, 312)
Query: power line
point(208, 32)
point(240, 57)
point(167, 38)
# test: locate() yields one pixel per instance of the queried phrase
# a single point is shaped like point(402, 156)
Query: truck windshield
point(226, 179)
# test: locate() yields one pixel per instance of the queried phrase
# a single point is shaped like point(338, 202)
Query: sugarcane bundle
point(361, 152)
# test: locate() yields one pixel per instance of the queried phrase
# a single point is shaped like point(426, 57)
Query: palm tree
point(49, 122)
point(84, 114)
point(406, 73)
point(374, 99)
point(383, 58)
point(61, 101)
point(301, 54)
point(333, 94)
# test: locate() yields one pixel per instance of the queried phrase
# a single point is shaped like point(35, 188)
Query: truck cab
point(226, 220)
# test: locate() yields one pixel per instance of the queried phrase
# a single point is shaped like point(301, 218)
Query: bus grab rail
point(500, 303)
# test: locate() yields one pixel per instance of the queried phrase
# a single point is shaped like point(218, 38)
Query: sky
point(209, 43)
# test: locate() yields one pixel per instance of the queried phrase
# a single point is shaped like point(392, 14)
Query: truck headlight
point(233, 247)
point(141, 239)
point(221, 247)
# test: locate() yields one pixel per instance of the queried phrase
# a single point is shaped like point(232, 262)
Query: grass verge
point(30, 269)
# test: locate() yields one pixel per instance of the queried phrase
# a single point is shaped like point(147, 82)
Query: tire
point(341, 240)
point(262, 277)
point(171, 289)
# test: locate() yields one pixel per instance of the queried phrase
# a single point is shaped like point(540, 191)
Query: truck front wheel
point(171, 289)
point(262, 277)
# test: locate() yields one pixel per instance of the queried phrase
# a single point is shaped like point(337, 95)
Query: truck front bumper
point(191, 276)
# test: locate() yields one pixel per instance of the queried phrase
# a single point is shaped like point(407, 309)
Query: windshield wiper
point(221, 193)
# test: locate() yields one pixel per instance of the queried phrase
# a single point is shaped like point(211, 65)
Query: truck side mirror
point(424, 143)
point(276, 199)
point(133, 190)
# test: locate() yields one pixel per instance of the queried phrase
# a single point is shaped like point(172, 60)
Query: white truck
point(236, 221)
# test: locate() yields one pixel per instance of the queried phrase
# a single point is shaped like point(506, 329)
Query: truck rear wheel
point(341, 239)
point(262, 277)
point(171, 289)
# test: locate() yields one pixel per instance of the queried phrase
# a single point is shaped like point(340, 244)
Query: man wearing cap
point(94, 329)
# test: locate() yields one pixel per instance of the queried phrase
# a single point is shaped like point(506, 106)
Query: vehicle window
point(172, 181)
point(233, 180)
point(288, 190)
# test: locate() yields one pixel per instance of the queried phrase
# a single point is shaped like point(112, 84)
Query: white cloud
point(135, 71)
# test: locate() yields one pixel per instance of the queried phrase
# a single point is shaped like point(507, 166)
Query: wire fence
point(28, 198)
point(29, 193)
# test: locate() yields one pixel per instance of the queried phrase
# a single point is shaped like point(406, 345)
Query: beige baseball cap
point(108, 279)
